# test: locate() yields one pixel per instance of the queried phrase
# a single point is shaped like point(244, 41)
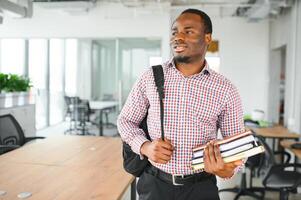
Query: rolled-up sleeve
point(230, 121)
point(132, 114)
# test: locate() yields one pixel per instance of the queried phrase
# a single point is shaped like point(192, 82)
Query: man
point(197, 102)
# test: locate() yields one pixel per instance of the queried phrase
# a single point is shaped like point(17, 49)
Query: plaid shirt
point(195, 107)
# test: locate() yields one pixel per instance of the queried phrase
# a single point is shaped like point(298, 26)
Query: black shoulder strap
point(159, 81)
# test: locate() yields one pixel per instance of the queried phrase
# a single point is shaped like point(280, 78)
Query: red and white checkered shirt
point(195, 107)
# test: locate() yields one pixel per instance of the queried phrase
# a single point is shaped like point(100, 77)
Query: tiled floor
point(60, 128)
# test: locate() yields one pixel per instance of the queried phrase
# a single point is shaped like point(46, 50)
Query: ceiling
point(253, 10)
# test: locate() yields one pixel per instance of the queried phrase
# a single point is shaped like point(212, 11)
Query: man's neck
point(188, 69)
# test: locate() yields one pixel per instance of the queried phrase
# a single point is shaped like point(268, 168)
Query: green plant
point(3, 81)
point(17, 83)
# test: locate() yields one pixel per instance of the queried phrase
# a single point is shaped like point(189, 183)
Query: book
point(238, 156)
point(227, 153)
point(227, 146)
point(226, 140)
point(232, 148)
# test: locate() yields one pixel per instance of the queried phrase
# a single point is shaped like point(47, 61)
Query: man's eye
point(173, 33)
point(189, 32)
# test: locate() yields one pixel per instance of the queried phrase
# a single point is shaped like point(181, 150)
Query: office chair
point(68, 105)
point(277, 177)
point(11, 134)
point(79, 114)
point(106, 112)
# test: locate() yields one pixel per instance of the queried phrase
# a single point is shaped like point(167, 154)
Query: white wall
point(244, 58)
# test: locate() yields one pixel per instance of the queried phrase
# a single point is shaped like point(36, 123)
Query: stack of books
point(232, 148)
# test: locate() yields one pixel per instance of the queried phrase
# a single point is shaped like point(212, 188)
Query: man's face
point(188, 39)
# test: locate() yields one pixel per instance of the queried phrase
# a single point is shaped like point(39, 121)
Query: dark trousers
point(150, 187)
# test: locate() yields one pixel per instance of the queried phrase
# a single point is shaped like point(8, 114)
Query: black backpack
point(131, 161)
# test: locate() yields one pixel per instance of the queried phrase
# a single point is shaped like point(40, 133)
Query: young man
point(197, 102)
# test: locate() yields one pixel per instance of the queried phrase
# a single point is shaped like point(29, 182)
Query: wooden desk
point(67, 167)
point(276, 132)
point(100, 106)
point(287, 144)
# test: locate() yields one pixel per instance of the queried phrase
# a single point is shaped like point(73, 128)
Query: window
point(13, 56)
point(56, 80)
point(71, 67)
point(37, 68)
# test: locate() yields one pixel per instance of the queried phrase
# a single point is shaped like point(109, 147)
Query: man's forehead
point(188, 19)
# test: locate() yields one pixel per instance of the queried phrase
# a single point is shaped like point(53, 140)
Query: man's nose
point(179, 37)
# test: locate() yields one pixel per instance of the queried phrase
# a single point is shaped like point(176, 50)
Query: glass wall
point(106, 69)
point(122, 61)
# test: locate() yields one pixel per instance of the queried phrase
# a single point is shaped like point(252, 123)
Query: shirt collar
point(205, 70)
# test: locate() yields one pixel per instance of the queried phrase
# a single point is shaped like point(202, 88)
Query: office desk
point(276, 132)
point(67, 167)
point(100, 106)
point(287, 144)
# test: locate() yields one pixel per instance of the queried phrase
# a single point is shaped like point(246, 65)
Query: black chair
point(277, 177)
point(107, 111)
point(11, 134)
point(68, 105)
point(79, 114)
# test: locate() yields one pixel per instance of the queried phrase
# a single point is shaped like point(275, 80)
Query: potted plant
point(22, 86)
point(3, 82)
point(17, 88)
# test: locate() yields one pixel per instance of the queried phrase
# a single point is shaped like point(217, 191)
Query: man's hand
point(158, 151)
point(214, 163)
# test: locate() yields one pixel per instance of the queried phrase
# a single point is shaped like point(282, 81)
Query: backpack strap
point(159, 81)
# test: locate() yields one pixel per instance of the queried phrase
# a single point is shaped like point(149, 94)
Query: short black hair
point(206, 19)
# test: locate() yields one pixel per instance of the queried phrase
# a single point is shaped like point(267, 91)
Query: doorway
point(276, 102)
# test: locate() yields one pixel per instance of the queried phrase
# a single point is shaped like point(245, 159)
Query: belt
point(178, 179)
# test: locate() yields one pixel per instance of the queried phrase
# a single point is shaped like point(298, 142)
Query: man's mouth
point(179, 49)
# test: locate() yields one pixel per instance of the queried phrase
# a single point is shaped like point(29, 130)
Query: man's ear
point(208, 38)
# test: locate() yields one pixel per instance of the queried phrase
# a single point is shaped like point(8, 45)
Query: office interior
point(96, 49)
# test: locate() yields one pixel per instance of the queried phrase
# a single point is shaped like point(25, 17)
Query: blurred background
point(82, 58)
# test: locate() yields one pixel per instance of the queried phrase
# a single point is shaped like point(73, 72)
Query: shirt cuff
point(137, 143)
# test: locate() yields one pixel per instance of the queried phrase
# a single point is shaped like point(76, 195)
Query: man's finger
point(165, 151)
point(234, 164)
point(162, 161)
point(167, 140)
point(211, 153)
point(164, 157)
point(166, 145)
point(217, 153)
point(206, 159)
point(238, 162)
point(206, 155)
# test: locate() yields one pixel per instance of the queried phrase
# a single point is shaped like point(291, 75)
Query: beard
point(182, 59)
